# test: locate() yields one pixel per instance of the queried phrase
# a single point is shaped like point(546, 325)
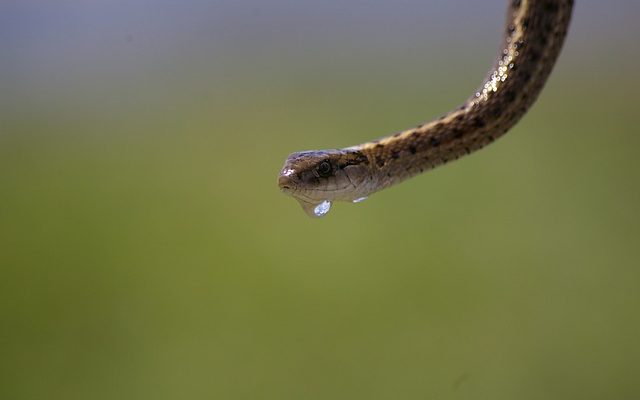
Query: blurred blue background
point(146, 252)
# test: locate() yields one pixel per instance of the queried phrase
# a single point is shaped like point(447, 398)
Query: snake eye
point(324, 169)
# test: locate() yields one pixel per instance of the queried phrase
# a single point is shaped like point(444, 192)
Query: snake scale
point(534, 33)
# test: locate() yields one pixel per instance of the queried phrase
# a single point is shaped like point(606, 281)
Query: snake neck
point(534, 34)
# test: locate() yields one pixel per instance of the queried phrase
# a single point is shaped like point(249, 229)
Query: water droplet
point(322, 209)
point(359, 199)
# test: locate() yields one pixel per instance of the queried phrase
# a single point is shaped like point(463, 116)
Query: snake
point(534, 33)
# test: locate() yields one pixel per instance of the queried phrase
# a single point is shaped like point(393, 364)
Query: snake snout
point(286, 179)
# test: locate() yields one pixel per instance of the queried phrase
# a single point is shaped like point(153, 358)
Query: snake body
point(534, 33)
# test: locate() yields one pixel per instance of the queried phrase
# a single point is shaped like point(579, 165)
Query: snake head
point(318, 177)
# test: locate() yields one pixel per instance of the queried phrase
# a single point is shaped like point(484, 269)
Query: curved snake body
point(534, 33)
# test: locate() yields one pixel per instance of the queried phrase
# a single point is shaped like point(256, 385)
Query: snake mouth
point(288, 186)
point(314, 194)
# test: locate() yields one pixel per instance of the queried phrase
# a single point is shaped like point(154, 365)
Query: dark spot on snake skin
point(412, 149)
point(434, 141)
point(491, 138)
point(467, 150)
point(551, 6)
point(509, 96)
point(395, 155)
point(397, 134)
point(494, 112)
point(516, 3)
point(525, 23)
point(478, 122)
point(511, 28)
point(534, 55)
point(379, 161)
point(456, 133)
point(543, 40)
point(356, 158)
point(379, 146)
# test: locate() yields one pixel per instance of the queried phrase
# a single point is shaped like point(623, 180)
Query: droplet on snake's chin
point(322, 209)
point(359, 199)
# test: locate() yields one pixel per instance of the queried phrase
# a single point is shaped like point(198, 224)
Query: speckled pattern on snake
point(534, 33)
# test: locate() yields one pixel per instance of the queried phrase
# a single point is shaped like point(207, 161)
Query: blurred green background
point(146, 252)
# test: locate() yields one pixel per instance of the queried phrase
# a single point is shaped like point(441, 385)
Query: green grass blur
point(146, 251)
